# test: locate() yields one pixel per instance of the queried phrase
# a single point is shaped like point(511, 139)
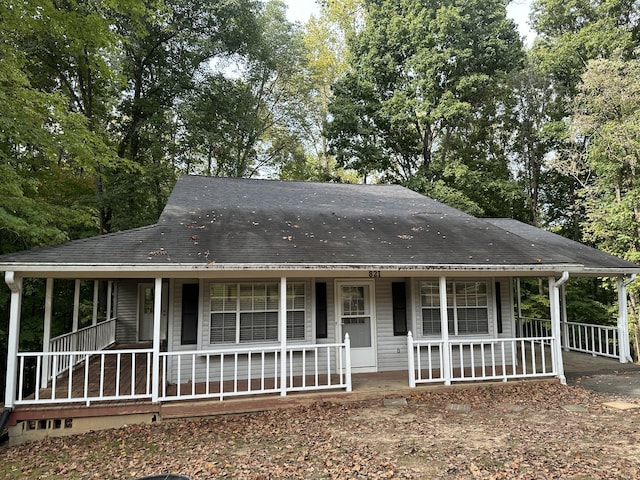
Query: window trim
point(238, 312)
point(451, 284)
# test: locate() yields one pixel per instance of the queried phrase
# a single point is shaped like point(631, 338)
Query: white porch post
point(157, 315)
point(623, 322)
point(563, 319)
point(46, 337)
point(519, 303)
point(96, 294)
point(76, 314)
point(15, 285)
point(282, 311)
point(412, 361)
point(554, 310)
point(444, 327)
point(109, 294)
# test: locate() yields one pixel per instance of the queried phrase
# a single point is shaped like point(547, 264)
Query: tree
point(250, 118)
point(47, 151)
point(166, 45)
point(424, 101)
point(569, 35)
point(607, 122)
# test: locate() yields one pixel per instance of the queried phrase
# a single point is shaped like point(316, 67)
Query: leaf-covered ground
point(489, 432)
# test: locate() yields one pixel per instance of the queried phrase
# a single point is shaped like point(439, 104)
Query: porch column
point(623, 322)
point(563, 319)
point(46, 336)
point(96, 296)
point(109, 294)
point(519, 304)
point(554, 310)
point(157, 315)
point(444, 327)
point(282, 316)
point(15, 285)
point(76, 314)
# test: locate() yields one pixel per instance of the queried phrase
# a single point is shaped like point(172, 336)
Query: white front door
point(356, 317)
point(145, 315)
point(145, 312)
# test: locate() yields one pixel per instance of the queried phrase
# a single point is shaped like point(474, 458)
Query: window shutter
point(498, 307)
point(399, 298)
point(190, 300)
point(321, 310)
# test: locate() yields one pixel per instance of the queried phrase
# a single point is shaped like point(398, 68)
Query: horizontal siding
point(127, 324)
point(392, 350)
point(508, 313)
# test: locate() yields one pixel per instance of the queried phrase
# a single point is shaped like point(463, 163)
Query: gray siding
point(508, 317)
point(392, 350)
point(127, 324)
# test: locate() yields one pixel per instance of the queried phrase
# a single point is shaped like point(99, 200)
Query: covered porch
point(87, 366)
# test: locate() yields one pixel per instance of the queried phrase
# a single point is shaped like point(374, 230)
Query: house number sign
point(374, 274)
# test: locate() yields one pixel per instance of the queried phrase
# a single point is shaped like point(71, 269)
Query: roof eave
point(128, 270)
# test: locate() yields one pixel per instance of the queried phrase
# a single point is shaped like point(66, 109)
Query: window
point(467, 308)
point(248, 312)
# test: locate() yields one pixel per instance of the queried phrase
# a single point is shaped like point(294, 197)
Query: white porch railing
point(598, 340)
point(91, 338)
point(101, 375)
point(98, 375)
point(535, 327)
point(253, 371)
point(473, 360)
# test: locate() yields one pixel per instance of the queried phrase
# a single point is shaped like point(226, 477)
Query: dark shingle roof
point(218, 221)
point(578, 252)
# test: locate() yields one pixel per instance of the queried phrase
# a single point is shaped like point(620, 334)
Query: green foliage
point(424, 98)
point(588, 300)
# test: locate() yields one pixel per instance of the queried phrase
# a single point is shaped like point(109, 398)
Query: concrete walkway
point(599, 374)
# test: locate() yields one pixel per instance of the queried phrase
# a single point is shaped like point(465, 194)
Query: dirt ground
point(514, 430)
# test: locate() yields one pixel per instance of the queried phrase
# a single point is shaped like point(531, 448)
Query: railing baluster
point(133, 374)
point(55, 377)
point(221, 376)
point(118, 367)
point(70, 377)
point(193, 374)
point(179, 382)
point(86, 377)
point(207, 374)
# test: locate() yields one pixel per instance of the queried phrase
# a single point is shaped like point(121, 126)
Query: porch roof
point(214, 224)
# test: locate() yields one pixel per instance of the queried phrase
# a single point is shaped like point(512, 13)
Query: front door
point(356, 317)
point(145, 315)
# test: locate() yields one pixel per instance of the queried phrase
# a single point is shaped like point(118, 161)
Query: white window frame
point(454, 309)
point(271, 307)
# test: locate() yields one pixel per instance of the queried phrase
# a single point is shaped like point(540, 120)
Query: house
point(257, 287)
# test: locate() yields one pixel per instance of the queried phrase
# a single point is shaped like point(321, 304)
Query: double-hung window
point(248, 312)
point(467, 307)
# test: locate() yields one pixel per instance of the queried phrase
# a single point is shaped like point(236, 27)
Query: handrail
point(83, 329)
point(222, 373)
point(595, 339)
point(480, 359)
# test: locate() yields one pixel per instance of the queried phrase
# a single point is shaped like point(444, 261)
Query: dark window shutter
point(321, 310)
point(190, 300)
point(399, 298)
point(498, 307)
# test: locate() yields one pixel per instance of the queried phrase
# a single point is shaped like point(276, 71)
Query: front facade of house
point(248, 287)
